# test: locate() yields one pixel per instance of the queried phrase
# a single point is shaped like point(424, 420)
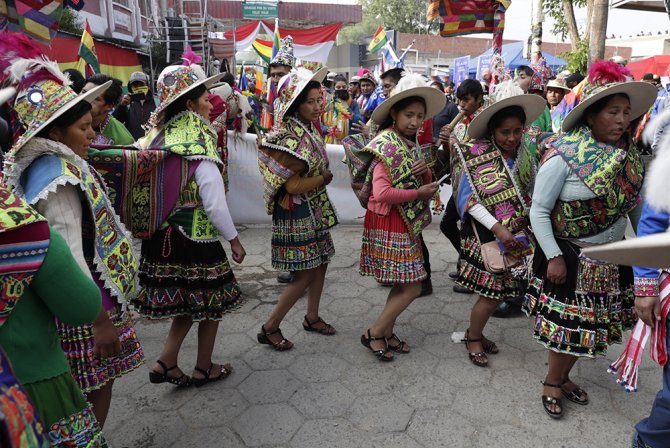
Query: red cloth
point(425, 136)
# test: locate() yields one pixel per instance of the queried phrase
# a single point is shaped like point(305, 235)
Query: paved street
point(331, 391)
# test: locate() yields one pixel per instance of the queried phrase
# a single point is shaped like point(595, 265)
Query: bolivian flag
point(264, 49)
point(88, 58)
point(378, 40)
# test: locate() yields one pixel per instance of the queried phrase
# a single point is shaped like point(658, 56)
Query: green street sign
point(259, 10)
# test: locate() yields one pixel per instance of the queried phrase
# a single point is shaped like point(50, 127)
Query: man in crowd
point(136, 107)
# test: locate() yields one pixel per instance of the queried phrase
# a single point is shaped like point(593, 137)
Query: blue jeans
point(654, 431)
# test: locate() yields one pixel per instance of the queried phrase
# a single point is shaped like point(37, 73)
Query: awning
point(658, 65)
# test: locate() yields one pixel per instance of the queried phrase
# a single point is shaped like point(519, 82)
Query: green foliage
point(71, 22)
point(554, 9)
point(404, 16)
point(578, 61)
point(158, 48)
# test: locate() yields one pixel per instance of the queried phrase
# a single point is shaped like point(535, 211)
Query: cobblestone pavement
point(331, 391)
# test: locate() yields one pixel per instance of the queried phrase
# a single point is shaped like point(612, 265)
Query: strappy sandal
point(158, 378)
point(401, 347)
point(326, 329)
point(382, 353)
point(264, 338)
point(490, 347)
point(477, 358)
point(578, 395)
point(226, 370)
point(548, 401)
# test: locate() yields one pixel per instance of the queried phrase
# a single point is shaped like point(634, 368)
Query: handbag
point(495, 260)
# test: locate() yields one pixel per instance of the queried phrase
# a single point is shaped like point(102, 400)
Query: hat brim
point(532, 105)
point(435, 102)
point(318, 76)
point(641, 95)
point(88, 97)
point(6, 94)
point(207, 82)
point(556, 86)
point(651, 251)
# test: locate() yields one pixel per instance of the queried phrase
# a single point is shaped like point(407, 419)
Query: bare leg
point(178, 331)
point(400, 297)
point(288, 298)
point(480, 314)
point(565, 378)
point(207, 330)
point(101, 399)
point(558, 362)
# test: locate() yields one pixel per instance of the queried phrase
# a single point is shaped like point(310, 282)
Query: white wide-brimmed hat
point(609, 78)
point(291, 85)
point(558, 83)
point(6, 94)
point(408, 86)
point(651, 251)
point(508, 94)
point(177, 80)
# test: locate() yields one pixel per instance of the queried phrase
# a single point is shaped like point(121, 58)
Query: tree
point(71, 22)
point(598, 30)
point(404, 16)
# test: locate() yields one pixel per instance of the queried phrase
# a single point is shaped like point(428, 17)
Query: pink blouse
point(384, 195)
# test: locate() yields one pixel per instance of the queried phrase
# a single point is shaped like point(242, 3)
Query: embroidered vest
point(613, 174)
point(112, 257)
point(503, 191)
point(295, 139)
point(391, 150)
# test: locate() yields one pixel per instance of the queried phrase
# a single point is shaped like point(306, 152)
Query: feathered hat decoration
point(192, 59)
point(607, 72)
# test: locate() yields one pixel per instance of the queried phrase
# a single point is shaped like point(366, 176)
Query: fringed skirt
point(587, 313)
point(388, 253)
point(472, 273)
point(296, 244)
point(70, 422)
point(181, 277)
point(89, 371)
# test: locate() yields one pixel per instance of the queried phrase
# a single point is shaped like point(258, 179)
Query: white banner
point(245, 198)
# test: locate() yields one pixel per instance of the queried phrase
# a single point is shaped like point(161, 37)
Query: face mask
point(342, 95)
point(142, 90)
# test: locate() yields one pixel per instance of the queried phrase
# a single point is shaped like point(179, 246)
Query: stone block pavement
point(331, 391)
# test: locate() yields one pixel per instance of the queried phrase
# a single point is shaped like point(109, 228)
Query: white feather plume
point(21, 66)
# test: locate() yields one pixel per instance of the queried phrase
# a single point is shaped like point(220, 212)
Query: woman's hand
point(362, 128)
point(238, 250)
point(327, 177)
point(425, 192)
point(648, 309)
point(106, 342)
point(419, 167)
point(506, 237)
point(556, 270)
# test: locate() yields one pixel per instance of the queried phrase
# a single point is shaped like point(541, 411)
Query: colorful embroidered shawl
point(613, 174)
point(112, 256)
point(24, 241)
point(307, 145)
point(391, 150)
point(149, 184)
point(488, 180)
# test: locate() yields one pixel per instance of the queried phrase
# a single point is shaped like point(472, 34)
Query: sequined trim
point(646, 287)
point(80, 430)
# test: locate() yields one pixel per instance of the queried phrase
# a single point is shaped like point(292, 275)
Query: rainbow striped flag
point(264, 49)
point(88, 59)
point(467, 16)
point(275, 40)
point(378, 40)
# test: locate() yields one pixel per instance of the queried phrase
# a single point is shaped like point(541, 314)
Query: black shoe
point(453, 275)
point(462, 289)
point(426, 288)
point(507, 309)
point(285, 277)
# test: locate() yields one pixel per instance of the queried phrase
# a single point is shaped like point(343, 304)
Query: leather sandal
point(225, 372)
point(578, 395)
point(477, 358)
point(401, 347)
point(158, 378)
point(264, 338)
point(326, 329)
point(490, 347)
point(548, 401)
point(383, 353)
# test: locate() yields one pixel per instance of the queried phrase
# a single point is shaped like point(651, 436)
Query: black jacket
point(135, 115)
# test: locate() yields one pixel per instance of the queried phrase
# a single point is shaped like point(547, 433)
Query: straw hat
point(6, 94)
point(411, 85)
point(609, 78)
point(290, 86)
point(355, 79)
point(177, 80)
point(367, 76)
point(651, 251)
point(508, 94)
point(558, 83)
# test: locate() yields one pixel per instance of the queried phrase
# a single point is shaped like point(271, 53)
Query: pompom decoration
point(190, 57)
point(607, 72)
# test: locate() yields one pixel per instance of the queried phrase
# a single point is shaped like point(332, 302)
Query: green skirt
point(68, 418)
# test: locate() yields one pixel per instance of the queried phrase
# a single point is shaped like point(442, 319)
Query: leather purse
point(495, 260)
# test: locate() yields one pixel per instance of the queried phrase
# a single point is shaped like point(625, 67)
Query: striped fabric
point(39, 19)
